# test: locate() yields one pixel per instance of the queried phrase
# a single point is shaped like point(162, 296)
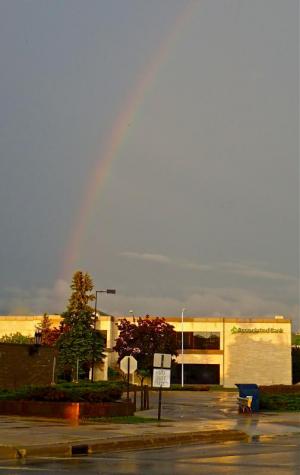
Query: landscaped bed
point(67, 400)
point(279, 398)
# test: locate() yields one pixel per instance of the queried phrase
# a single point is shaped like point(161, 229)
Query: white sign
point(162, 360)
point(161, 378)
point(128, 364)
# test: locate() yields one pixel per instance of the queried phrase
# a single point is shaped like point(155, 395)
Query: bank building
point(220, 351)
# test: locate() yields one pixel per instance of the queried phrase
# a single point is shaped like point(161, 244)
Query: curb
point(164, 440)
point(117, 444)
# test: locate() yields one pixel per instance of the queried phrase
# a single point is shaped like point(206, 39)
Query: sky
point(154, 145)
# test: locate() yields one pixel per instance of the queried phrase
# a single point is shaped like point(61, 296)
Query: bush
point(115, 374)
point(280, 389)
point(189, 387)
point(67, 392)
point(280, 397)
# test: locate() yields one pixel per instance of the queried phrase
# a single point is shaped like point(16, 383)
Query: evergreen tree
point(78, 340)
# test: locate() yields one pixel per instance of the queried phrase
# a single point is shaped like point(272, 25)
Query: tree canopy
point(50, 334)
point(78, 340)
point(16, 338)
point(144, 338)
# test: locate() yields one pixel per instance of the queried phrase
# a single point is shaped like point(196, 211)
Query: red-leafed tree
point(49, 334)
point(144, 338)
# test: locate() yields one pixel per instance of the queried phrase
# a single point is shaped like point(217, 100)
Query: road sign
point(161, 378)
point(128, 364)
point(162, 360)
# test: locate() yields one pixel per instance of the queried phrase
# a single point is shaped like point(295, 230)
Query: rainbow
point(116, 139)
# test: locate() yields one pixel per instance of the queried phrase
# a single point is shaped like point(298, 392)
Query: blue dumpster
point(250, 390)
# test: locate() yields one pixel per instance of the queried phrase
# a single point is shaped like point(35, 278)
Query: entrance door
point(197, 374)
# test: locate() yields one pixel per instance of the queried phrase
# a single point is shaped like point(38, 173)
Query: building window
point(199, 340)
point(196, 374)
point(103, 333)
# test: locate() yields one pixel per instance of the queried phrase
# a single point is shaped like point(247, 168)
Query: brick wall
point(25, 364)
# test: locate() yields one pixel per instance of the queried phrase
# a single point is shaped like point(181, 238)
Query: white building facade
point(222, 351)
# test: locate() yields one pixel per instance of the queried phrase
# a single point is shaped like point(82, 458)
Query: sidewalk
point(201, 418)
point(24, 437)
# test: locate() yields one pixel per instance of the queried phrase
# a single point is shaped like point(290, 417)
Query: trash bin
point(250, 390)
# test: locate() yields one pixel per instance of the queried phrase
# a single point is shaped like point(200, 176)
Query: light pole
point(107, 291)
point(182, 366)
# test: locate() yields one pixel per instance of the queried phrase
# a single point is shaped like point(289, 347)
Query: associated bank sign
point(256, 330)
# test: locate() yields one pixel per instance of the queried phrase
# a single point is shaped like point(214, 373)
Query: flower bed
point(103, 391)
point(66, 410)
point(67, 400)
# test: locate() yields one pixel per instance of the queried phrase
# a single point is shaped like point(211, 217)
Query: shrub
point(280, 397)
point(67, 392)
point(189, 387)
point(280, 389)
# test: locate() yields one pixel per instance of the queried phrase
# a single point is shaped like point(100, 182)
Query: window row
point(199, 340)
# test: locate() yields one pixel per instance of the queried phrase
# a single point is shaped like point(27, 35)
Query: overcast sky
point(198, 206)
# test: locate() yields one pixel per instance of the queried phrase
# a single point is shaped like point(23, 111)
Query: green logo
point(256, 330)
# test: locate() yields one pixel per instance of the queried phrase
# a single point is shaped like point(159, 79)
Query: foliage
point(67, 392)
point(16, 338)
point(280, 402)
point(82, 286)
point(219, 387)
point(144, 338)
point(78, 340)
point(81, 343)
point(296, 339)
point(280, 397)
point(114, 374)
point(279, 389)
point(188, 387)
point(49, 335)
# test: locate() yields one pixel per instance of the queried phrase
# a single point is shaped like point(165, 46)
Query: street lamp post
point(107, 291)
point(182, 366)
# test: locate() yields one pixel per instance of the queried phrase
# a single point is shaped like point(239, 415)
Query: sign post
point(128, 365)
point(161, 375)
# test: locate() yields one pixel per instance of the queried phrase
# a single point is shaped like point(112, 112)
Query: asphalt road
point(280, 455)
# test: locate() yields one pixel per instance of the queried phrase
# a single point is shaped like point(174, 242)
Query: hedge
point(280, 397)
point(104, 391)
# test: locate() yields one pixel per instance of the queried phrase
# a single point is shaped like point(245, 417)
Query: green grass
point(221, 388)
point(188, 387)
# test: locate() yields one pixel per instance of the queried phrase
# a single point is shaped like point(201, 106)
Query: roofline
point(213, 319)
point(197, 318)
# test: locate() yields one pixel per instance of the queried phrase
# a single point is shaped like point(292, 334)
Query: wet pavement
point(218, 410)
point(280, 456)
point(186, 417)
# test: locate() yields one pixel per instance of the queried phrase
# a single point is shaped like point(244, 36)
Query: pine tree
point(79, 341)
